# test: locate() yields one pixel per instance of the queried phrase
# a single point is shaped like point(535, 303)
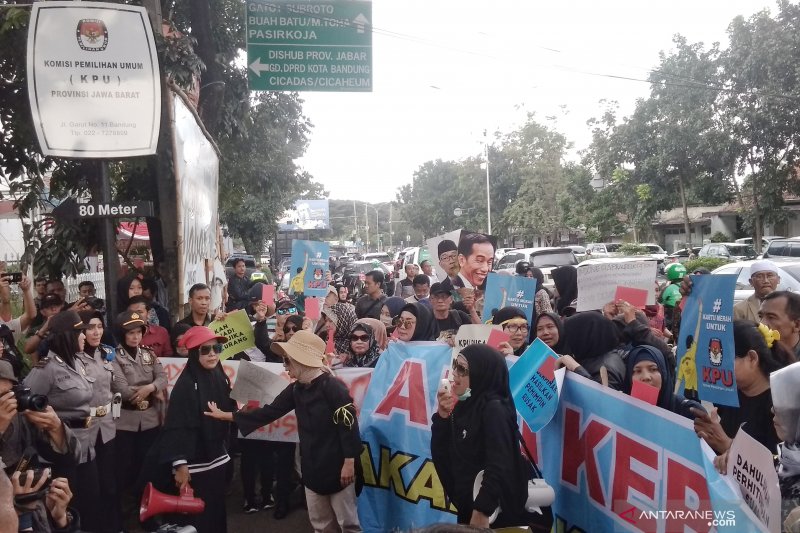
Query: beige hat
point(331, 315)
point(304, 347)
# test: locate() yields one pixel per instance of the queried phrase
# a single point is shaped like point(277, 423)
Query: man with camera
point(32, 434)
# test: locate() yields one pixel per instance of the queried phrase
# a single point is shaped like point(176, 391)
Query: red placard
point(312, 308)
point(635, 297)
point(497, 337)
point(645, 392)
point(268, 293)
point(329, 347)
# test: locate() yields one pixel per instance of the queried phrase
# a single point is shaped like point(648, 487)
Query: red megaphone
point(155, 503)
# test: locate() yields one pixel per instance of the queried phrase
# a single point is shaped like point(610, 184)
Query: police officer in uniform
point(141, 381)
point(96, 358)
point(62, 377)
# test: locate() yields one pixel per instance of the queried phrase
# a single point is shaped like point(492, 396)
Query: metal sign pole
point(110, 258)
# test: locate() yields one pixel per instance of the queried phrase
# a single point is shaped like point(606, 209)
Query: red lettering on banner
point(407, 394)
point(579, 450)
point(627, 477)
point(712, 375)
point(687, 491)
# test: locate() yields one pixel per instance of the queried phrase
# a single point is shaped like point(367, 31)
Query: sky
point(445, 71)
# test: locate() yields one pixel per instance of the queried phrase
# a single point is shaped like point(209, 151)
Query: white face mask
point(387, 320)
point(466, 395)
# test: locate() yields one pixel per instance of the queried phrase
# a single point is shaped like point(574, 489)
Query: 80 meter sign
point(111, 210)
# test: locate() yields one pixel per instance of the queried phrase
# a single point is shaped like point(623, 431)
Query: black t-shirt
point(449, 326)
point(367, 307)
point(755, 413)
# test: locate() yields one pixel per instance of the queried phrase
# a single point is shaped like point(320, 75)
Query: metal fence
point(98, 278)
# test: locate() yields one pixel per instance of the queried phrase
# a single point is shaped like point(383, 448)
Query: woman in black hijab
point(480, 433)
point(594, 342)
point(192, 445)
point(565, 279)
point(416, 323)
point(550, 328)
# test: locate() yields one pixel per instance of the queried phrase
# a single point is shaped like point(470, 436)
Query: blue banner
point(619, 464)
point(310, 263)
point(705, 343)
point(401, 488)
point(503, 290)
point(533, 385)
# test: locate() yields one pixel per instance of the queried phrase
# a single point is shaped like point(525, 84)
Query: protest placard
point(635, 297)
point(534, 386)
point(256, 383)
point(705, 343)
point(597, 284)
point(268, 293)
point(751, 466)
point(471, 334)
point(237, 328)
point(443, 250)
point(503, 290)
point(310, 264)
point(312, 308)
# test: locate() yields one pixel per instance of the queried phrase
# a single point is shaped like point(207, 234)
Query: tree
point(761, 112)
point(259, 179)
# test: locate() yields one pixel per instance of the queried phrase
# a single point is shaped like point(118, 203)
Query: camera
point(13, 277)
point(95, 303)
point(26, 401)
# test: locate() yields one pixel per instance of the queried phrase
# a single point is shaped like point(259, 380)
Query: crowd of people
point(106, 426)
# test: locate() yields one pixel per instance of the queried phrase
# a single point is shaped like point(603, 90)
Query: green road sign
point(295, 45)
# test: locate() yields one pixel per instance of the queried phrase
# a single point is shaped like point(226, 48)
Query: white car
point(788, 271)
point(656, 251)
point(500, 252)
point(543, 258)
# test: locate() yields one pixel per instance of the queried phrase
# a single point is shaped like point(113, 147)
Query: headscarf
point(649, 353)
point(560, 347)
point(427, 329)
point(590, 335)
point(488, 374)
point(370, 357)
point(395, 305)
point(345, 318)
point(565, 279)
point(378, 329)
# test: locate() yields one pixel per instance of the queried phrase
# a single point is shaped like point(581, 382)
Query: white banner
point(597, 284)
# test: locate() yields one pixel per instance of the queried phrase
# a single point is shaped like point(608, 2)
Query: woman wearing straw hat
point(327, 425)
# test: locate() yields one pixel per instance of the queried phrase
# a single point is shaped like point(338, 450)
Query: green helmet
point(675, 272)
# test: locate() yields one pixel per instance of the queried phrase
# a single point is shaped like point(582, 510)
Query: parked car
point(728, 250)
point(682, 255)
point(579, 251)
point(656, 251)
point(789, 272)
point(783, 248)
point(500, 252)
point(603, 249)
point(543, 258)
point(765, 240)
point(415, 256)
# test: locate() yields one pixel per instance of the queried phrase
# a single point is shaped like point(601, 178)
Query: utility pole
point(366, 226)
point(488, 198)
point(355, 222)
point(390, 226)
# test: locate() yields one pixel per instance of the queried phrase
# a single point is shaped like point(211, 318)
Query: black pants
point(267, 459)
point(131, 449)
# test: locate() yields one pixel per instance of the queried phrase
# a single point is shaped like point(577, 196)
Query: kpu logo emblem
point(92, 35)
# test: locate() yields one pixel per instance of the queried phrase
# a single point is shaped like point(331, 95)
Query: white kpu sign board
point(93, 80)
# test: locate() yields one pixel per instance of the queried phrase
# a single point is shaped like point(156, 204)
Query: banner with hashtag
point(705, 343)
point(503, 290)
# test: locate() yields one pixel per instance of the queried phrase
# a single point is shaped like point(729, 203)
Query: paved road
point(238, 522)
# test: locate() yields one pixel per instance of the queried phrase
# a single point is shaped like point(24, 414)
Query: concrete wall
point(725, 224)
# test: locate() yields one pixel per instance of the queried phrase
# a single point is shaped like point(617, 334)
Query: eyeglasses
point(362, 338)
point(287, 311)
point(448, 256)
point(206, 350)
point(406, 323)
point(460, 370)
point(514, 328)
point(763, 276)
